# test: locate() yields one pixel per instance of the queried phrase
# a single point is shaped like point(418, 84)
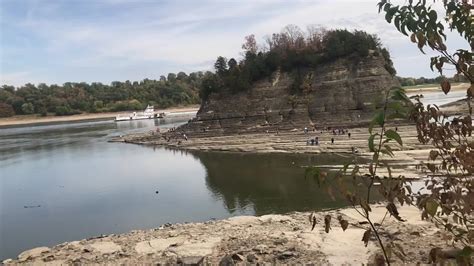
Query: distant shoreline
point(424, 88)
point(23, 120)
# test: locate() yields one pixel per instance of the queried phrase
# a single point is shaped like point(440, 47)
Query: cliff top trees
point(289, 50)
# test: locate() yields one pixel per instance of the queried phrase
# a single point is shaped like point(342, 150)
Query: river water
point(66, 182)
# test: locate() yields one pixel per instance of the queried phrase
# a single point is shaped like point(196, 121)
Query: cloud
point(126, 39)
point(15, 78)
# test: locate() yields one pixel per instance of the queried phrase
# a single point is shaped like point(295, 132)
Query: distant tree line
point(422, 80)
point(293, 51)
point(73, 98)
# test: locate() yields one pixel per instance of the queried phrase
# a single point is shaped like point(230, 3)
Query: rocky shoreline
point(276, 239)
point(405, 161)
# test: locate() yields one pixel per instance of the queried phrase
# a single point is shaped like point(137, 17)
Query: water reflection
point(266, 183)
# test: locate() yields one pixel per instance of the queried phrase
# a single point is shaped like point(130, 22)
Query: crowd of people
point(313, 141)
point(335, 131)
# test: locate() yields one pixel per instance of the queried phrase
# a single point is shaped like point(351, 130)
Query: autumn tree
point(250, 44)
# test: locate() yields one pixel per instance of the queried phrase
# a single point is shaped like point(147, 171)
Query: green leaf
point(371, 142)
point(392, 134)
point(431, 207)
point(388, 150)
point(379, 118)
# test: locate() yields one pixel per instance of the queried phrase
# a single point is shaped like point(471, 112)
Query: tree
point(171, 77)
point(27, 108)
point(250, 44)
point(181, 76)
point(6, 110)
point(232, 64)
point(220, 65)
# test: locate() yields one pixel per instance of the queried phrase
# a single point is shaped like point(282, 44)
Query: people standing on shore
point(349, 134)
point(332, 140)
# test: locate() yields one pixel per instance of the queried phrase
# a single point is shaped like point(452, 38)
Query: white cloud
point(118, 36)
point(15, 78)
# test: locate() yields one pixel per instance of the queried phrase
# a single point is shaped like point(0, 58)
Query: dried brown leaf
point(344, 224)
point(366, 237)
point(327, 223)
point(445, 86)
point(312, 220)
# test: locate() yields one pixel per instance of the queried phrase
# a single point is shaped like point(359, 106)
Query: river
point(65, 182)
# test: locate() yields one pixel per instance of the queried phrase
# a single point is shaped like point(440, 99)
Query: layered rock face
point(339, 94)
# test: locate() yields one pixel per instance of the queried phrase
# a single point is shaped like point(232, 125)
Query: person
point(312, 141)
point(332, 140)
point(316, 141)
point(185, 137)
point(349, 134)
point(396, 129)
point(305, 130)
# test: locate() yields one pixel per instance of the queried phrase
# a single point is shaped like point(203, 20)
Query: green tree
point(221, 65)
point(27, 108)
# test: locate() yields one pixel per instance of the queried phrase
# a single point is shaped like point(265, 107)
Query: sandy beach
point(35, 119)
point(434, 88)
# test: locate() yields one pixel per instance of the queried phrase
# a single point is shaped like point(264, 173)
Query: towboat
point(148, 113)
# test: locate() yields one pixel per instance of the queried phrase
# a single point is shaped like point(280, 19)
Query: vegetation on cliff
point(72, 98)
point(292, 51)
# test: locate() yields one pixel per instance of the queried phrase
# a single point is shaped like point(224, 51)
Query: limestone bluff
point(343, 92)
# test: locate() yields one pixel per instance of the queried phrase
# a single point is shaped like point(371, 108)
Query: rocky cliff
point(342, 93)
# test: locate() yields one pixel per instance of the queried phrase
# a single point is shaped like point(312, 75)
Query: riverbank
point(405, 161)
point(35, 119)
point(247, 239)
point(427, 88)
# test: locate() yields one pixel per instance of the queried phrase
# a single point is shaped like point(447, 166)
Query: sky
point(56, 41)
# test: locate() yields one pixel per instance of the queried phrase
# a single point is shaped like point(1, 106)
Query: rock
point(238, 257)
point(226, 261)
point(157, 245)
point(286, 255)
point(105, 247)
point(7, 261)
point(252, 257)
point(188, 249)
point(342, 90)
point(32, 253)
point(280, 241)
point(261, 249)
point(192, 260)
